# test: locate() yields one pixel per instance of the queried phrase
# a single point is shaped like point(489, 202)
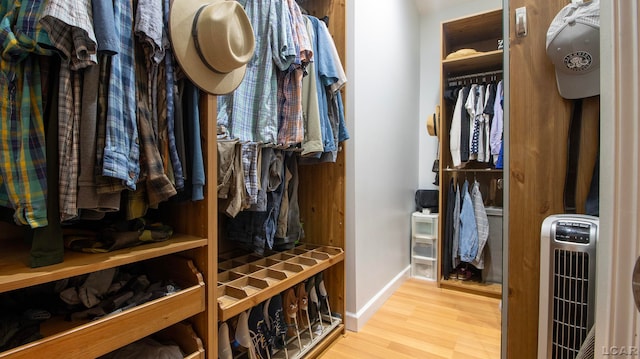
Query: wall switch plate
point(521, 22)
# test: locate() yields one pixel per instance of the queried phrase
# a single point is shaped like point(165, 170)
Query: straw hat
point(433, 122)
point(213, 41)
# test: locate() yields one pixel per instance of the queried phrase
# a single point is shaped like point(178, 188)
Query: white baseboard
point(355, 321)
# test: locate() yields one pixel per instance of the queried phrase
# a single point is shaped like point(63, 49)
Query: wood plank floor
point(422, 321)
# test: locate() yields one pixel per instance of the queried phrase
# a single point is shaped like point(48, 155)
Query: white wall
point(393, 60)
point(382, 154)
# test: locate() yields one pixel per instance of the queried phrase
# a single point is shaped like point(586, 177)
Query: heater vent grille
point(570, 302)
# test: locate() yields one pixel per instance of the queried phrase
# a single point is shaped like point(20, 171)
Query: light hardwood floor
point(421, 321)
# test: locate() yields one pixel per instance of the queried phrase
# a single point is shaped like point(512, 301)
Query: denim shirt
point(468, 228)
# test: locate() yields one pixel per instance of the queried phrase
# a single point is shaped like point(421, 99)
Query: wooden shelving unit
point(481, 33)
point(244, 281)
point(190, 317)
point(187, 258)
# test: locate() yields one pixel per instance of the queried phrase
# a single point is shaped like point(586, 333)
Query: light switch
point(521, 22)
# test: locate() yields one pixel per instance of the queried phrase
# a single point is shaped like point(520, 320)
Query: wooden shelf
point(479, 31)
point(487, 289)
point(81, 340)
point(15, 272)
point(484, 61)
point(254, 282)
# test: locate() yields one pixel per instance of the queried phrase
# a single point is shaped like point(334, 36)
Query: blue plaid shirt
point(250, 112)
point(121, 151)
point(173, 151)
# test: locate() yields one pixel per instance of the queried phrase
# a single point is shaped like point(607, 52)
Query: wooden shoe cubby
point(248, 284)
point(77, 339)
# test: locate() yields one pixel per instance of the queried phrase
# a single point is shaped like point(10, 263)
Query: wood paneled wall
point(539, 122)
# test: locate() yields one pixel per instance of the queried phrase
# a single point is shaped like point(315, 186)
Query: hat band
point(194, 35)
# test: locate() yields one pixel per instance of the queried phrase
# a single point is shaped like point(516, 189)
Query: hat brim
point(431, 125)
point(573, 86)
point(184, 49)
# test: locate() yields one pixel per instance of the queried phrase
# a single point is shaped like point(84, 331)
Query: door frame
point(617, 321)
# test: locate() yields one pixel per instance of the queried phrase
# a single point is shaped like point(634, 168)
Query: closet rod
point(480, 74)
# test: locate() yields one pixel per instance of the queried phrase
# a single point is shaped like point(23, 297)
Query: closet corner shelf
point(15, 272)
point(484, 60)
point(249, 281)
point(487, 289)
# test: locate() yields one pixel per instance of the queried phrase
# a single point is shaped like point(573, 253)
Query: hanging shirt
point(250, 112)
point(290, 119)
point(74, 38)
point(456, 130)
point(23, 182)
point(328, 74)
point(335, 107)
point(447, 264)
point(103, 23)
point(456, 228)
point(157, 185)
point(474, 107)
point(121, 151)
point(176, 166)
point(468, 228)
point(250, 169)
point(108, 188)
point(488, 119)
point(194, 150)
point(89, 202)
point(482, 224)
point(312, 142)
point(464, 127)
point(483, 126)
point(497, 123)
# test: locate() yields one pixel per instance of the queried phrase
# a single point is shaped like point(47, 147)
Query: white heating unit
point(567, 284)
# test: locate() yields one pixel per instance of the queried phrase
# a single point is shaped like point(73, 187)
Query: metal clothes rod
point(471, 76)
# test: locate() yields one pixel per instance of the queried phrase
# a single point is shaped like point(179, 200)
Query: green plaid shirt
point(23, 185)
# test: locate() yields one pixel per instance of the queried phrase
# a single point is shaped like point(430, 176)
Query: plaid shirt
point(64, 31)
point(106, 187)
point(159, 187)
point(250, 112)
point(171, 94)
point(23, 183)
point(290, 120)
point(121, 151)
point(78, 52)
